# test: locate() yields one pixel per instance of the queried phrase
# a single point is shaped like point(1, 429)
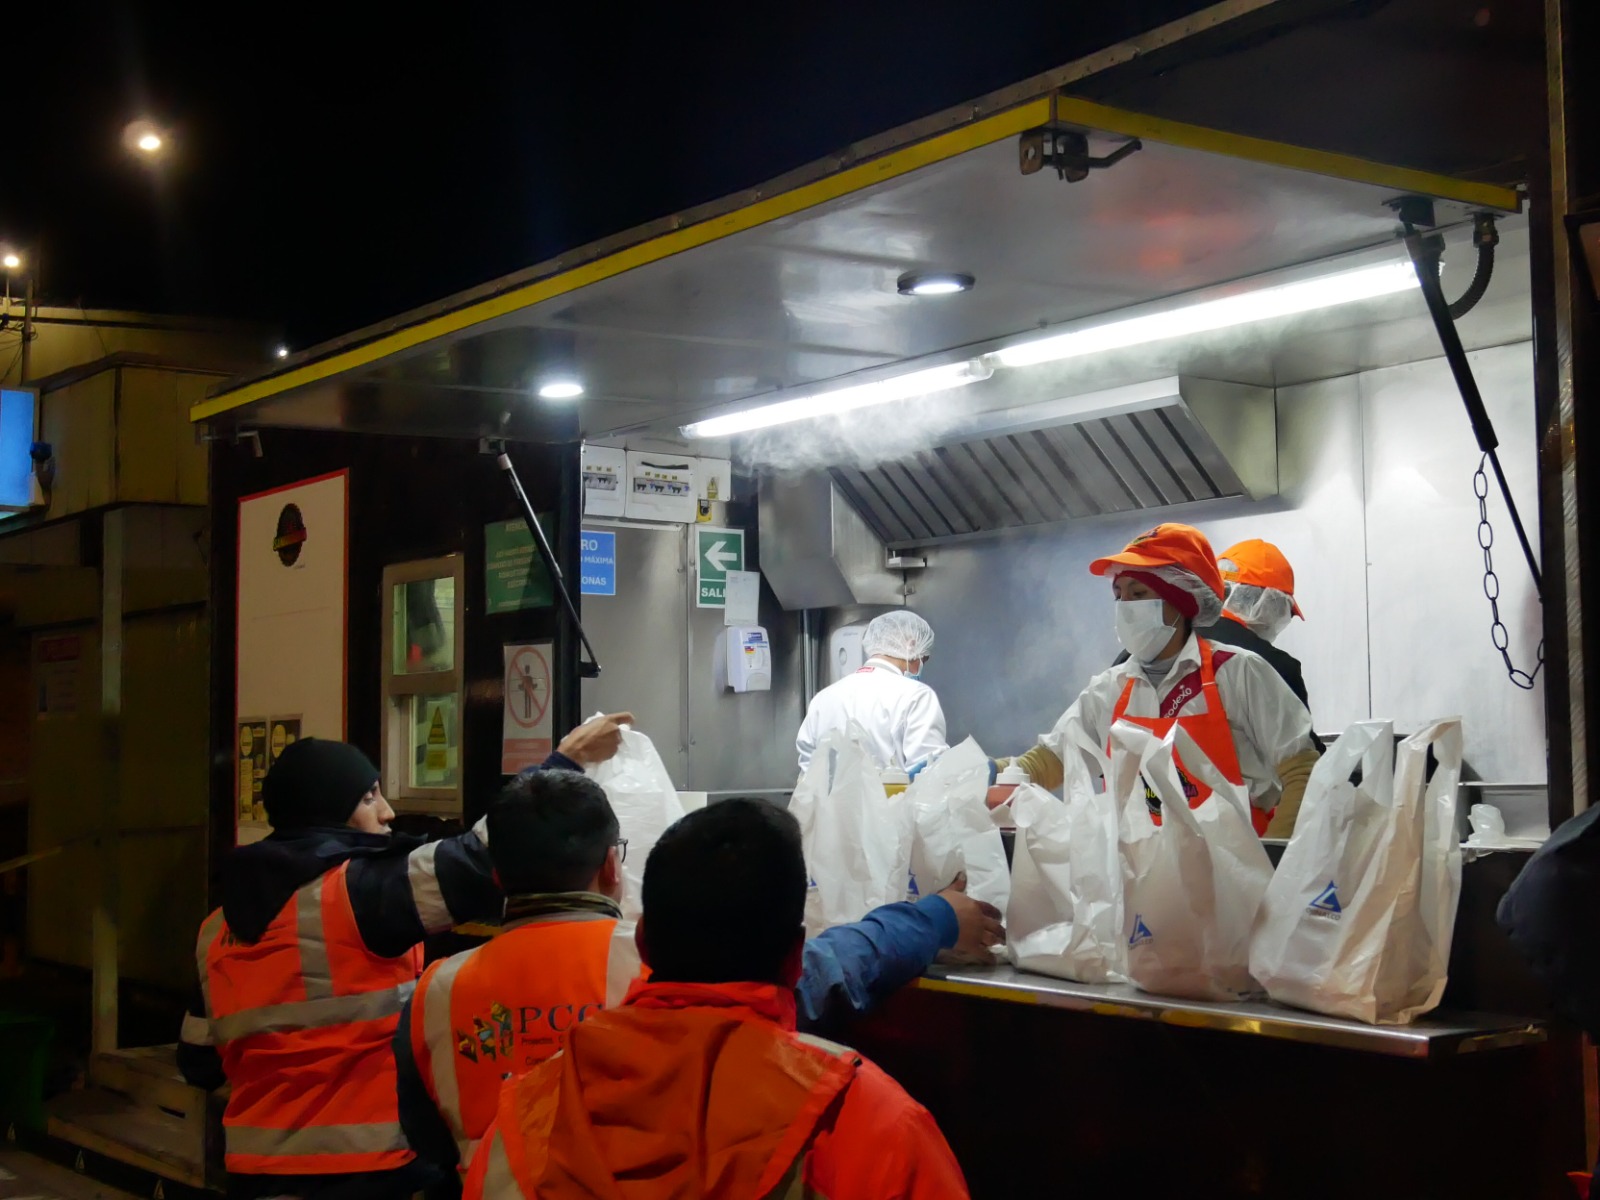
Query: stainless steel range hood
point(1150, 446)
point(826, 536)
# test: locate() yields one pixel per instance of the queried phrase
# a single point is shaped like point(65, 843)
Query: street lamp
point(13, 261)
point(144, 138)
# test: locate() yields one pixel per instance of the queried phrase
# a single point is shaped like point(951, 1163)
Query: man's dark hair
point(549, 832)
point(725, 895)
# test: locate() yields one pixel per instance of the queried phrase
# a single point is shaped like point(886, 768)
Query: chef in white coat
point(902, 717)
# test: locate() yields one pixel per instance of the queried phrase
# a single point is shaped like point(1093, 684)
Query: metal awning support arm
point(590, 669)
point(1425, 255)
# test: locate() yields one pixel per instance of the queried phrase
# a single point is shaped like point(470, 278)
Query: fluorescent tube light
point(1346, 287)
point(840, 400)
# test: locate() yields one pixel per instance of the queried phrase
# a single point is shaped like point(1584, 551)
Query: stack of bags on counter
point(1355, 922)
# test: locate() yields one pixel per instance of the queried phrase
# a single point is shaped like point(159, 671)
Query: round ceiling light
point(933, 283)
point(560, 389)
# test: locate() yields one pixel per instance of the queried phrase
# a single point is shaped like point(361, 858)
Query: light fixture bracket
point(1067, 151)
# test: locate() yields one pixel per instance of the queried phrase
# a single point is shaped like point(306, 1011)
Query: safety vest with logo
point(303, 1019)
point(499, 1009)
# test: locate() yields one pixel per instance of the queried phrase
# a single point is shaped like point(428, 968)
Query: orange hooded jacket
point(705, 1090)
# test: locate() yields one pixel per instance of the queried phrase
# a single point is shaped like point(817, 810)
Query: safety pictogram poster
point(526, 724)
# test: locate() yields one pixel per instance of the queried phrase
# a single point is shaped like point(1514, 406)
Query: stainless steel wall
point(1378, 516)
point(665, 662)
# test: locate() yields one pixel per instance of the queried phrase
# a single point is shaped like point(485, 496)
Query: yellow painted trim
point(1318, 162)
point(983, 132)
point(982, 990)
point(942, 146)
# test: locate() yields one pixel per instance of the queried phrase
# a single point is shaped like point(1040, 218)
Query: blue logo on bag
point(1327, 904)
point(911, 885)
point(1141, 931)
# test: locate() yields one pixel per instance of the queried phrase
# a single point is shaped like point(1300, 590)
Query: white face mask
point(1140, 628)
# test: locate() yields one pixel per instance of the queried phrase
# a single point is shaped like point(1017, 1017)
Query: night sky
point(328, 172)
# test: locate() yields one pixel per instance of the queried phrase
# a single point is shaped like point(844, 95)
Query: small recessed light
point(560, 389)
point(282, 352)
point(933, 283)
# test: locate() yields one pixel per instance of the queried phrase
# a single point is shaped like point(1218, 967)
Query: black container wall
point(410, 498)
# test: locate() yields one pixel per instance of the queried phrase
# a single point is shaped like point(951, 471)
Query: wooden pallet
point(138, 1110)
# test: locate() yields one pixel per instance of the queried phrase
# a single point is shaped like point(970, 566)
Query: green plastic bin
point(25, 1040)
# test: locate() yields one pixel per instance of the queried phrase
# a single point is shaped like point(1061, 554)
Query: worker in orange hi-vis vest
point(306, 965)
point(563, 955)
point(699, 1083)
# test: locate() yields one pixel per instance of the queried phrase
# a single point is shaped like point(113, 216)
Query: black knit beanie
point(316, 782)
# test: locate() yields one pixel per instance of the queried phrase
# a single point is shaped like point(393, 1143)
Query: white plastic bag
point(857, 839)
point(1066, 881)
point(953, 831)
point(1192, 885)
point(1359, 917)
point(645, 801)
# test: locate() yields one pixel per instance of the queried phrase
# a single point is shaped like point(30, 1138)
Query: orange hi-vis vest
point(500, 1009)
point(303, 1020)
point(1209, 730)
point(705, 1090)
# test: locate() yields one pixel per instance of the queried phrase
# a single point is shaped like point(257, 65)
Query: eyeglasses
point(622, 849)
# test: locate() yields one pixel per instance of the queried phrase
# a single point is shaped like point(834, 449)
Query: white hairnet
point(899, 634)
point(1266, 611)
point(1209, 603)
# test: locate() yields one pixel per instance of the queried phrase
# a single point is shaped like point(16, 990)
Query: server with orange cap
point(1260, 602)
point(1257, 606)
point(1233, 705)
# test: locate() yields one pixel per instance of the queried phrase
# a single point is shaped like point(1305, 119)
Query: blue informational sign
point(599, 563)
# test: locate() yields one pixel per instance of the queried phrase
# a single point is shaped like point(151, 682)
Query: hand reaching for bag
point(978, 923)
point(596, 740)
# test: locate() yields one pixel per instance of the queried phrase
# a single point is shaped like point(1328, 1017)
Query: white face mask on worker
point(1141, 630)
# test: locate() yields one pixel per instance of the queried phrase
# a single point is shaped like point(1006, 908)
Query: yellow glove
point(1293, 773)
point(1042, 766)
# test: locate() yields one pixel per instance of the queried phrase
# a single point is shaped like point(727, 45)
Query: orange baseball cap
point(1260, 564)
point(1167, 545)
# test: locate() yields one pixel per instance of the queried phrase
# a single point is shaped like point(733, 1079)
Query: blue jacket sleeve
point(850, 969)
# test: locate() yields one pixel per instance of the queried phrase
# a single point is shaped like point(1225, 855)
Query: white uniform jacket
point(1268, 721)
point(902, 717)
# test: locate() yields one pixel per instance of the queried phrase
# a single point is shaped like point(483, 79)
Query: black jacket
point(1551, 912)
point(401, 890)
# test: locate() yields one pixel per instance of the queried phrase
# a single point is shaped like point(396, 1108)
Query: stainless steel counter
point(1438, 1035)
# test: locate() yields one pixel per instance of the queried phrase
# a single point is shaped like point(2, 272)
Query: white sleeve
point(924, 734)
point(1274, 721)
point(1087, 720)
point(805, 742)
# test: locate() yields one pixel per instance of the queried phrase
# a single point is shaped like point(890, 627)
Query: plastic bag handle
point(1366, 744)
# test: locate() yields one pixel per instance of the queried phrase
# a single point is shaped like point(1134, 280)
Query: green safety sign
point(717, 551)
point(513, 573)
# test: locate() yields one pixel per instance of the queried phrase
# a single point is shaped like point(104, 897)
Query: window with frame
point(423, 641)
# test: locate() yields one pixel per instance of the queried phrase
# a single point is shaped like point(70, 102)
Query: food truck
point(944, 370)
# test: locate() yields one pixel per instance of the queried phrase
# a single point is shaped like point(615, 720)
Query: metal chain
point(1491, 587)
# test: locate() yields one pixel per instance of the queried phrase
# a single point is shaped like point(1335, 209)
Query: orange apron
point(1209, 730)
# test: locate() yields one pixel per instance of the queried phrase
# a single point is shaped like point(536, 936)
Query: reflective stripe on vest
point(303, 1018)
point(500, 1009)
point(317, 1140)
point(499, 1181)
